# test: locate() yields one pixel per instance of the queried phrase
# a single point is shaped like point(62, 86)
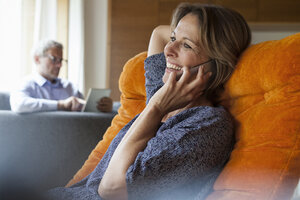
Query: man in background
point(44, 91)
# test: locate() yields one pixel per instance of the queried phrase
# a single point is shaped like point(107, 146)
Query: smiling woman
point(180, 142)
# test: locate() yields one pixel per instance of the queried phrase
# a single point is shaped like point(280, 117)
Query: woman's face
point(184, 48)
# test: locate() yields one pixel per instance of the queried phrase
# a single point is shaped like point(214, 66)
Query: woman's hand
point(178, 94)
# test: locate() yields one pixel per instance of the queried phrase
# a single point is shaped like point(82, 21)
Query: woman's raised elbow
point(159, 38)
point(112, 190)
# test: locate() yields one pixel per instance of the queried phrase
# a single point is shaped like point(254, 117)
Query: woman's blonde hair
point(224, 35)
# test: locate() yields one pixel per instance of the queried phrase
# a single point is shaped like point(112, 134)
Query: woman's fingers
point(177, 94)
point(201, 79)
point(171, 80)
point(197, 85)
point(185, 84)
point(185, 75)
point(200, 71)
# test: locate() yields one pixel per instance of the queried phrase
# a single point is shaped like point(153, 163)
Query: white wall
point(95, 19)
point(260, 36)
point(276, 31)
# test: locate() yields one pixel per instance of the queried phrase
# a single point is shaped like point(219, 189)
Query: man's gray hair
point(44, 45)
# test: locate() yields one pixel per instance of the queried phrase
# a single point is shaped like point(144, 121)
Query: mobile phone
point(194, 70)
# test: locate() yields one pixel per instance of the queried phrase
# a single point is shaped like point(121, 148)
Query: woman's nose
point(171, 49)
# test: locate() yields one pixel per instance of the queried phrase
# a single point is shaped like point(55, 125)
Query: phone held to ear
point(194, 70)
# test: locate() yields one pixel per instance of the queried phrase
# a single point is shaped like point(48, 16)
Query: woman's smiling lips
point(173, 67)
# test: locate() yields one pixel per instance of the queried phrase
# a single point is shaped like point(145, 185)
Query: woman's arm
point(173, 95)
point(113, 183)
point(159, 38)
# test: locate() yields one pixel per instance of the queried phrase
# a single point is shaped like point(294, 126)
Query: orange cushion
point(133, 100)
point(263, 95)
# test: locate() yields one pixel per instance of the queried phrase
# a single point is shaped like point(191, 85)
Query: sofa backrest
point(4, 101)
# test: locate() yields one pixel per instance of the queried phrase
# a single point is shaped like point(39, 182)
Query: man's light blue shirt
point(38, 94)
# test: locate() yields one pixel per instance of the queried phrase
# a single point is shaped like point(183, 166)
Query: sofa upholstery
point(45, 149)
point(263, 96)
point(4, 101)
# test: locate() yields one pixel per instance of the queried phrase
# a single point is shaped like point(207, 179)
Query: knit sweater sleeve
point(155, 66)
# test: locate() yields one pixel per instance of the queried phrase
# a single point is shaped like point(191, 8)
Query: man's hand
point(70, 104)
point(105, 104)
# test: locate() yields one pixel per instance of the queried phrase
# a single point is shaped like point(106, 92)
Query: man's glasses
point(55, 60)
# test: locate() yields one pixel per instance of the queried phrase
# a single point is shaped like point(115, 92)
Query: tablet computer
point(94, 95)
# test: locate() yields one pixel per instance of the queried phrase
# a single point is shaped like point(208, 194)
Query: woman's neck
point(200, 102)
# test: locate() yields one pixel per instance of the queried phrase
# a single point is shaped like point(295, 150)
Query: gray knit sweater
point(181, 162)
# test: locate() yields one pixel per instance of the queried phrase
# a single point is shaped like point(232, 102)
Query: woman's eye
point(187, 46)
point(172, 39)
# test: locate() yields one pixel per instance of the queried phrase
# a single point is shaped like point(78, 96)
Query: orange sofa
point(263, 95)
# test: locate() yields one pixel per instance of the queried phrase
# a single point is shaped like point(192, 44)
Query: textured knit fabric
point(155, 66)
point(181, 162)
point(38, 94)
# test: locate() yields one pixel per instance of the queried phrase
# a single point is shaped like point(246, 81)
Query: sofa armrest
point(47, 148)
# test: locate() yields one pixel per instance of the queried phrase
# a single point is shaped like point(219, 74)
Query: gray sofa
point(46, 149)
